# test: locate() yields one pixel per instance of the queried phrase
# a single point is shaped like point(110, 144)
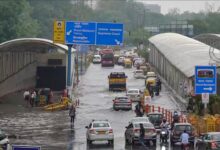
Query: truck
point(107, 58)
point(117, 81)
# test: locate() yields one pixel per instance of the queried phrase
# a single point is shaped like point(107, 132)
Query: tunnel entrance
point(51, 77)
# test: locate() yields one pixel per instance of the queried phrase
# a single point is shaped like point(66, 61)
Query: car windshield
point(146, 125)
point(133, 92)
point(216, 137)
point(100, 124)
point(183, 127)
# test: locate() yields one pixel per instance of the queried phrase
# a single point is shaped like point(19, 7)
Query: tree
point(199, 26)
point(16, 20)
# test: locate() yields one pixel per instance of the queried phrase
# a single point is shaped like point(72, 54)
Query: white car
point(139, 119)
point(139, 74)
point(99, 130)
point(96, 59)
point(139, 61)
point(121, 60)
point(134, 94)
point(132, 132)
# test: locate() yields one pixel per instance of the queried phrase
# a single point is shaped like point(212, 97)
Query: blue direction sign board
point(80, 33)
point(23, 147)
point(205, 79)
point(91, 33)
point(109, 34)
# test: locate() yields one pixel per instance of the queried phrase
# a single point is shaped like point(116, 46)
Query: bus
point(107, 58)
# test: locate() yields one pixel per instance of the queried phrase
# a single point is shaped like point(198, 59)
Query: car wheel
point(111, 142)
point(132, 141)
point(171, 142)
point(126, 141)
point(154, 142)
point(89, 142)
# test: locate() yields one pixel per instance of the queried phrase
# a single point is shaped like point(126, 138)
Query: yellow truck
point(117, 81)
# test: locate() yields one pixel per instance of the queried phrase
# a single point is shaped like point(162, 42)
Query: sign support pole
point(69, 70)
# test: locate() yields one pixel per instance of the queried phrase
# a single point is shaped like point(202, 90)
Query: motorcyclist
point(175, 118)
point(165, 126)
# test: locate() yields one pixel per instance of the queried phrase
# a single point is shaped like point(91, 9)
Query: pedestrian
point(27, 96)
point(150, 89)
point(32, 99)
point(50, 96)
point(158, 83)
point(138, 109)
point(72, 113)
point(142, 135)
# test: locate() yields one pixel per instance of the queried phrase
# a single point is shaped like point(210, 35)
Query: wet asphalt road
point(51, 130)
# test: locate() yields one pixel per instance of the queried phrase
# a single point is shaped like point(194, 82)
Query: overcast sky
point(190, 5)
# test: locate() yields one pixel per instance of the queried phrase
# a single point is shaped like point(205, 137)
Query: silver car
point(139, 74)
point(134, 94)
point(99, 130)
point(122, 103)
point(132, 132)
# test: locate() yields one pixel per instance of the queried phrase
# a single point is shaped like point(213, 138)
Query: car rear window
point(139, 71)
point(146, 125)
point(100, 125)
point(133, 92)
point(216, 137)
point(122, 99)
point(155, 116)
point(141, 119)
point(183, 127)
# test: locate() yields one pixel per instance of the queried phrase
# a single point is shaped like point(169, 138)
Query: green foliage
point(34, 18)
point(16, 20)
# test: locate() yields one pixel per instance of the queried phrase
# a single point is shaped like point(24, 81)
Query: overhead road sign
point(80, 33)
point(59, 32)
point(205, 79)
point(25, 147)
point(91, 33)
point(109, 34)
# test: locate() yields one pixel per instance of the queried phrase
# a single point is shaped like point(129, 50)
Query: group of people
point(32, 97)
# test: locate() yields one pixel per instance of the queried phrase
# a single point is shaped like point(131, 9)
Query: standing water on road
point(51, 130)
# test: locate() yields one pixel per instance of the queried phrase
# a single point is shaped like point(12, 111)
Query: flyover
point(32, 62)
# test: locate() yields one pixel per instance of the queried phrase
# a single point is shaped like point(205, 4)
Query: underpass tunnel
point(32, 63)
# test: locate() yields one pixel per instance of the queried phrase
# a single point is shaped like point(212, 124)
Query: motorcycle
point(164, 135)
point(4, 141)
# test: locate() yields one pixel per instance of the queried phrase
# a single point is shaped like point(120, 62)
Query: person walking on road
point(138, 110)
point(33, 97)
point(27, 96)
point(72, 113)
point(142, 135)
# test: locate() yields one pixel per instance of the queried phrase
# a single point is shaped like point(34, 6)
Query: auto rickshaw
point(127, 63)
point(150, 79)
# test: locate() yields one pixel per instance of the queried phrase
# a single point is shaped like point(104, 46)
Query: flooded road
point(51, 130)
